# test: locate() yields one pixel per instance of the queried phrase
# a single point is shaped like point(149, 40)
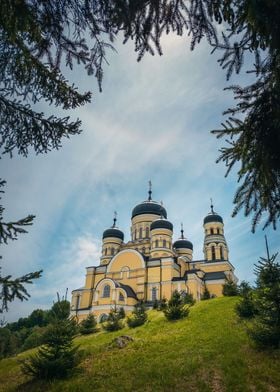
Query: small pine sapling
point(139, 315)
point(113, 322)
point(176, 309)
point(88, 325)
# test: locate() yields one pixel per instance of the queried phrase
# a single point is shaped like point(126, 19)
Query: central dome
point(149, 207)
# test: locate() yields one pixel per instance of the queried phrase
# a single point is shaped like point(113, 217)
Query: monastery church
point(150, 266)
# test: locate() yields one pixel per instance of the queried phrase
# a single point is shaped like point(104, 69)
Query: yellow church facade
point(150, 266)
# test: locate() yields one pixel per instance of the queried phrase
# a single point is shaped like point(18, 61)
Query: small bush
point(176, 309)
point(162, 304)
point(188, 298)
point(230, 288)
point(113, 322)
point(139, 316)
point(58, 357)
point(121, 313)
point(88, 325)
point(206, 293)
point(264, 335)
point(156, 304)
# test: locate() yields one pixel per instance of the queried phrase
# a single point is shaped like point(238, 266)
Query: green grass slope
point(208, 351)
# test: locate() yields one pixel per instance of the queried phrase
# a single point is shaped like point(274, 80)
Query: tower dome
point(113, 232)
point(182, 242)
point(161, 224)
point(212, 216)
point(149, 207)
point(111, 242)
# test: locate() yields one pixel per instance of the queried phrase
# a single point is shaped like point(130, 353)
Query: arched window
point(121, 297)
point(213, 252)
point(125, 272)
point(154, 293)
point(112, 251)
point(222, 252)
point(218, 231)
point(164, 243)
point(106, 291)
point(147, 232)
point(211, 231)
point(78, 301)
point(140, 232)
point(105, 252)
point(156, 244)
point(135, 234)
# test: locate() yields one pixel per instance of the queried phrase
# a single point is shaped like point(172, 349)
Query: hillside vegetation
point(208, 351)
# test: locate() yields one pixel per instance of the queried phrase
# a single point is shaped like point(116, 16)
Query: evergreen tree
point(113, 322)
point(230, 288)
point(156, 304)
point(162, 304)
point(176, 309)
point(11, 288)
point(206, 293)
point(265, 330)
point(187, 298)
point(245, 308)
point(121, 313)
point(139, 315)
point(57, 357)
point(88, 325)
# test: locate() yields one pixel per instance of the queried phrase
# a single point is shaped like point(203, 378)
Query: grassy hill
point(208, 351)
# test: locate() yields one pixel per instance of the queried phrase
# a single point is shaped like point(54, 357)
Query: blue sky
point(151, 121)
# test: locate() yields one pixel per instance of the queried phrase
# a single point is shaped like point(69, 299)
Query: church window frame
point(164, 243)
point(112, 251)
point(140, 233)
point(154, 294)
point(106, 291)
point(156, 244)
point(222, 252)
point(147, 232)
point(125, 271)
point(213, 252)
point(121, 297)
point(218, 231)
point(105, 251)
point(211, 231)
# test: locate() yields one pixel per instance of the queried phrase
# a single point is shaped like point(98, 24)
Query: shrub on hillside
point(176, 309)
point(230, 288)
point(139, 315)
point(246, 307)
point(206, 293)
point(162, 304)
point(265, 330)
point(113, 322)
point(58, 357)
point(188, 298)
point(88, 325)
point(35, 339)
point(121, 313)
point(156, 304)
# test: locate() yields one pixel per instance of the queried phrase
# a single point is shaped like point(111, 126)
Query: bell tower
point(215, 246)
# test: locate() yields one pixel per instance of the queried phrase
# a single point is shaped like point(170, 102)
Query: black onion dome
point(113, 232)
point(213, 218)
point(161, 224)
point(149, 207)
point(183, 243)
